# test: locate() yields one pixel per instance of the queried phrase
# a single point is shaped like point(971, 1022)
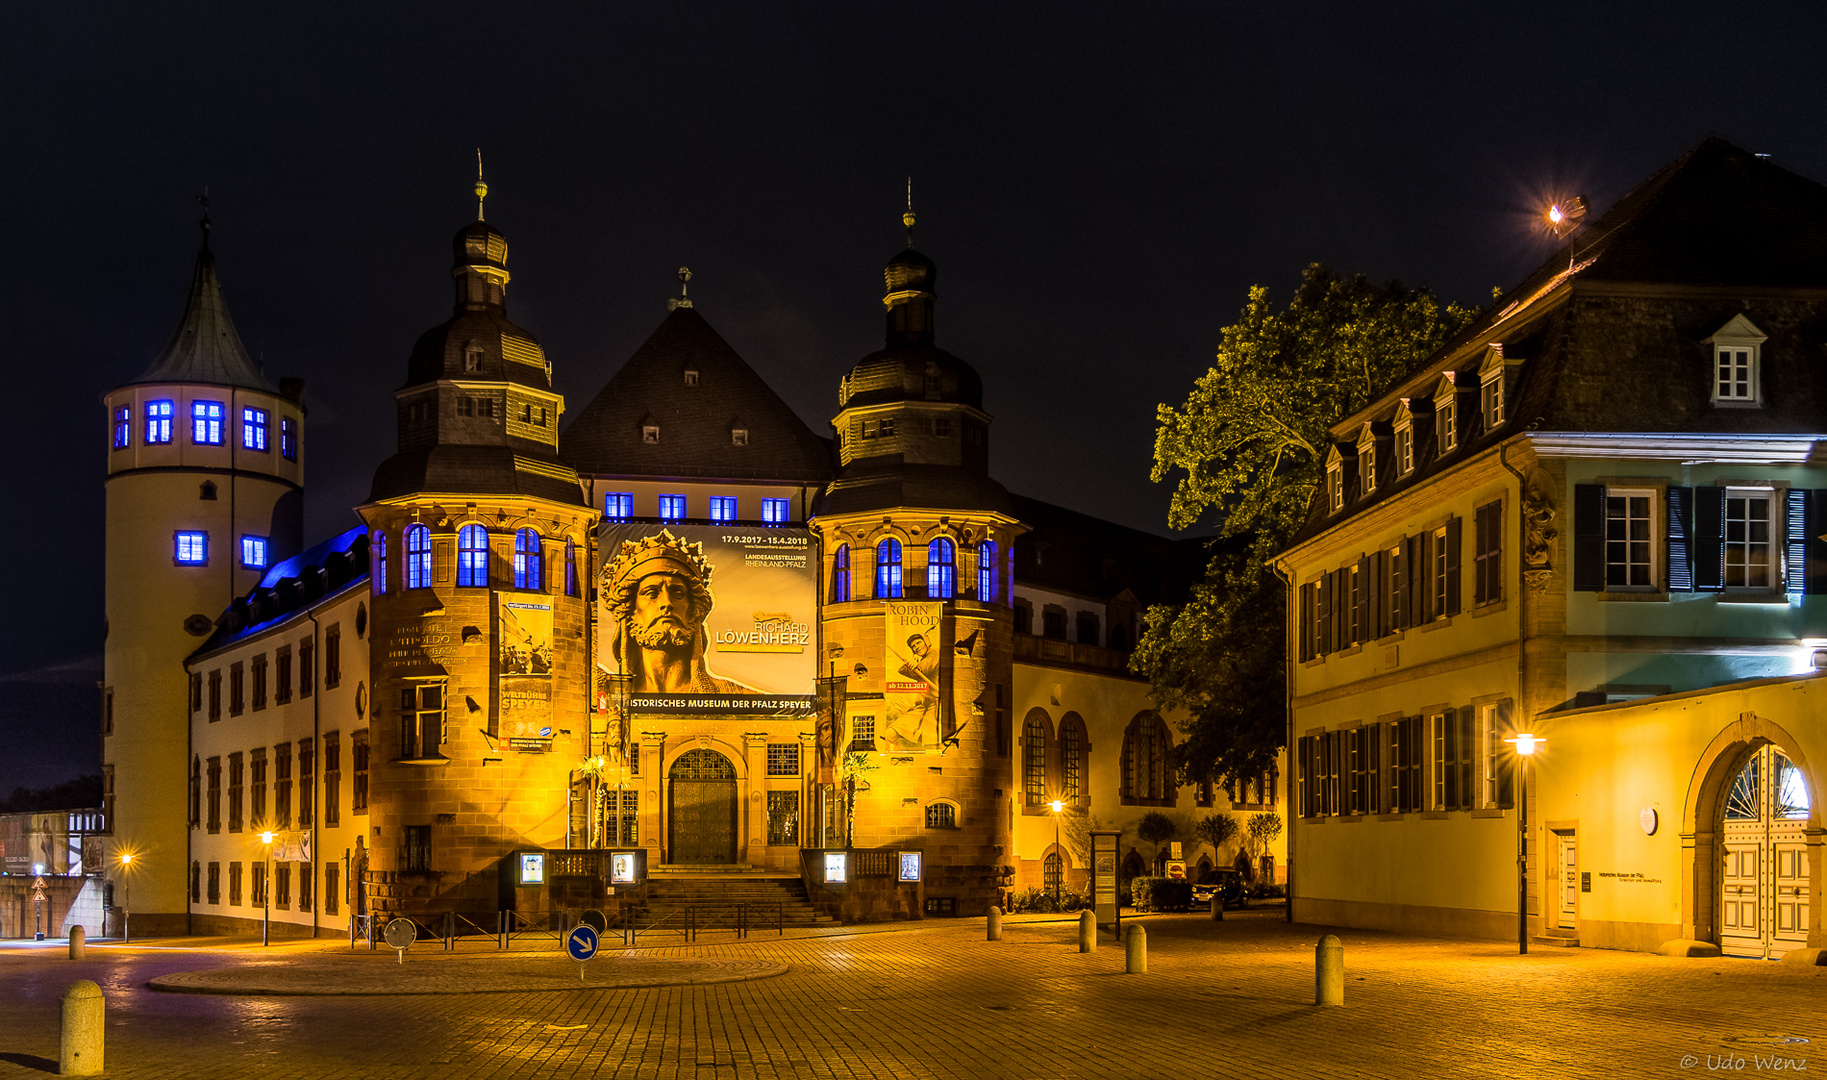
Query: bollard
point(80, 1051)
point(1087, 931)
point(1217, 908)
point(78, 939)
point(1329, 971)
point(995, 924)
point(1135, 951)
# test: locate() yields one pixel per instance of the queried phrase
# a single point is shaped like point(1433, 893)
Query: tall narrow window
point(253, 429)
point(1034, 759)
point(1446, 423)
point(888, 570)
point(722, 508)
point(618, 504)
point(986, 571)
point(1627, 539)
point(288, 438)
point(158, 422)
point(358, 762)
point(1335, 486)
point(570, 568)
point(1071, 749)
point(421, 721)
point(776, 511)
point(418, 557)
point(472, 556)
point(840, 575)
point(253, 552)
point(672, 508)
point(1487, 573)
point(528, 560)
point(377, 556)
point(333, 778)
point(123, 427)
point(1748, 562)
point(1405, 451)
point(206, 423)
point(941, 570)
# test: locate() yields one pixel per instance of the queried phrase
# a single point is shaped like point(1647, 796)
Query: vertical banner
point(523, 636)
point(913, 682)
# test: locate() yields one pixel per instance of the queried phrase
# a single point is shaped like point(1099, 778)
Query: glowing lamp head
point(1526, 744)
point(127, 858)
point(1057, 805)
point(1556, 215)
point(266, 837)
point(37, 869)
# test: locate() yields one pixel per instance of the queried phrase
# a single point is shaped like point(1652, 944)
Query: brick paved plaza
point(1227, 999)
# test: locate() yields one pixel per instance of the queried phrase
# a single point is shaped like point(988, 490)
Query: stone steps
point(671, 893)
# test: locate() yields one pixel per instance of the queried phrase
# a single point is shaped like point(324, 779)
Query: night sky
point(1099, 185)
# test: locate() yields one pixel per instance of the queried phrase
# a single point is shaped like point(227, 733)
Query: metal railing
point(449, 929)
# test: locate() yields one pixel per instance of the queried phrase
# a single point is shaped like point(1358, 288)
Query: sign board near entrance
point(707, 618)
point(532, 867)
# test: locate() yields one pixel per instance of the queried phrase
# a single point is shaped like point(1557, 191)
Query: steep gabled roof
point(205, 347)
point(695, 419)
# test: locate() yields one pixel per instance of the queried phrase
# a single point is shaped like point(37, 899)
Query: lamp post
point(266, 890)
point(38, 901)
point(1057, 806)
point(127, 897)
point(1525, 749)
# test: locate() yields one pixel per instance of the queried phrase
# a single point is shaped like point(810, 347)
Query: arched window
point(840, 574)
point(1054, 870)
point(570, 568)
point(528, 561)
point(377, 559)
point(1034, 758)
point(941, 570)
point(888, 570)
point(418, 557)
point(472, 556)
point(986, 571)
point(1145, 748)
point(1071, 759)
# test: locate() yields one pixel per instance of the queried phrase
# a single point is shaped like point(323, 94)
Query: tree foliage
point(1263, 830)
point(1156, 828)
point(1216, 830)
point(1247, 450)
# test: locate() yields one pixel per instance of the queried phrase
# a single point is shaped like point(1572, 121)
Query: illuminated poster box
point(910, 866)
point(622, 869)
point(837, 867)
point(532, 868)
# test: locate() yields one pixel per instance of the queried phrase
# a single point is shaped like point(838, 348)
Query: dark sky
point(1099, 185)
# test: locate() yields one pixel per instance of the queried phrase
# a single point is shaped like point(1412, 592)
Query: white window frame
point(1738, 337)
point(1335, 485)
point(1774, 547)
point(1405, 440)
point(1437, 574)
point(1655, 539)
point(1367, 462)
point(1485, 757)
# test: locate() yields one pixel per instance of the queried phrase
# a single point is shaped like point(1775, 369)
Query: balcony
point(1051, 652)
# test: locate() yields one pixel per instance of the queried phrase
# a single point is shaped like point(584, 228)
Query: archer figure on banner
point(914, 701)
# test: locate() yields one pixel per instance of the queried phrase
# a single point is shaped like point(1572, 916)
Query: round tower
point(204, 492)
point(479, 552)
point(915, 541)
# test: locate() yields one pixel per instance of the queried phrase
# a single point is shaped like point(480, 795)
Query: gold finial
point(907, 219)
point(684, 286)
point(481, 188)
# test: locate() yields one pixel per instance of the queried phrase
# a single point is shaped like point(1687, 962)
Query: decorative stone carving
point(1539, 535)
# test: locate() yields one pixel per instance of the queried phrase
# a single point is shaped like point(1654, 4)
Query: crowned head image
point(658, 593)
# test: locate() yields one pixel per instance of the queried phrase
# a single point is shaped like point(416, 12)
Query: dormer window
point(650, 433)
point(1446, 414)
point(1367, 460)
point(691, 376)
point(1405, 440)
point(1737, 374)
point(1335, 483)
point(472, 357)
point(739, 436)
point(1493, 384)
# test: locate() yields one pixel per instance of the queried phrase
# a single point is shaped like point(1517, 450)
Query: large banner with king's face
point(701, 619)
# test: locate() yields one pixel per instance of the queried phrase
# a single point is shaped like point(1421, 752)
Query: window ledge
point(1437, 624)
point(1351, 818)
point(1738, 404)
point(1353, 651)
point(1490, 812)
point(436, 759)
point(1648, 596)
point(1768, 599)
point(1433, 815)
point(1391, 817)
point(1489, 608)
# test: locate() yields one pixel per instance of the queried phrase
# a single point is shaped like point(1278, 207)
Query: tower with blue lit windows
point(204, 491)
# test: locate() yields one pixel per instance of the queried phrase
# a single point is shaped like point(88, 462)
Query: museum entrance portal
point(1765, 888)
point(702, 813)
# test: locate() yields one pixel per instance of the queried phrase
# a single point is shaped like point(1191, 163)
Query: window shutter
point(1817, 548)
point(1419, 571)
point(1398, 587)
point(1481, 535)
point(1709, 539)
point(1449, 759)
point(1324, 637)
point(1370, 584)
point(1506, 759)
point(1306, 622)
point(1373, 773)
point(1468, 745)
point(1341, 619)
point(1680, 542)
point(1795, 547)
point(1588, 537)
point(1454, 541)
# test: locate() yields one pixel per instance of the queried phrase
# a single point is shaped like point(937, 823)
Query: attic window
point(472, 357)
point(1737, 352)
point(691, 377)
point(1367, 460)
point(1335, 485)
point(650, 433)
point(739, 436)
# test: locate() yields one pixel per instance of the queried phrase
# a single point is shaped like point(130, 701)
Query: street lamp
point(266, 890)
point(1057, 806)
point(1525, 749)
point(127, 894)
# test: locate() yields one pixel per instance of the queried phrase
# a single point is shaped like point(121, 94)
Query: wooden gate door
point(1765, 887)
point(703, 812)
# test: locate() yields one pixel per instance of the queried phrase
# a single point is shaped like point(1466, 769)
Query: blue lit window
point(888, 570)
point(840, 574)
point(288, 438)
point(123, 427)
point(986, 571)
point(941, 570)
point(192, 549)
point(253, 429)
point(206, 423)
point(528, 562)
point(158, 422)
point(776, 511)
point(253, 552)
point(618, 504)
point(672, 508)
point(472, 556)
point(377, 558)
point(722, 508)
point(418, 557)
point(570, 568)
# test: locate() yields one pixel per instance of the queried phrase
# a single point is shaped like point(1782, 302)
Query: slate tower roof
point(205, 347)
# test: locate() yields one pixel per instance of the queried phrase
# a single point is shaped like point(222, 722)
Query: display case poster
point(524, 664)
point(698, 619)
point(913, 697)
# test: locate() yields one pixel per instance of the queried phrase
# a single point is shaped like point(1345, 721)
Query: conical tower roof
point(205, 348)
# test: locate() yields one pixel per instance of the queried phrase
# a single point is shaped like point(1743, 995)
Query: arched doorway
point(702, 814)
point(1764, 886)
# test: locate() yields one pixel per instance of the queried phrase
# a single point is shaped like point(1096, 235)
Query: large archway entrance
point(702, 814)
point(1764, 884)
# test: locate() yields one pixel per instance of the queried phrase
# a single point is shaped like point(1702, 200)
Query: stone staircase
point(716, 890)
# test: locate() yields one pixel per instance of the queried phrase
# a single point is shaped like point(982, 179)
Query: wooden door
point(702, 814)
point(1765, 886)
point(1570, 882)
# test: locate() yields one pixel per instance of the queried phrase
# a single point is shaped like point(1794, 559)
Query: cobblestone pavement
point(337, 973)
point(1225, 999)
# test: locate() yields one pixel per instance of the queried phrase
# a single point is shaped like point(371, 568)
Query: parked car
point(1222, 886)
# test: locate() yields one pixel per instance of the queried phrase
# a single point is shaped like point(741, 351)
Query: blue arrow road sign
point(581, 943)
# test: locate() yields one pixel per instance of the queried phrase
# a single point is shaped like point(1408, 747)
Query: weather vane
point(203, 201)
point(684, 286)
point(907, 219)
point(481, 188)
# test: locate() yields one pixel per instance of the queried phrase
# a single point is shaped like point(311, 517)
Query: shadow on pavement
point(31, 1061)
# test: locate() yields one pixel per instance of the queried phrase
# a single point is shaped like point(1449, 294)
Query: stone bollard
point(80, 1052)
point(995, 924)
point(1217, 908)
point(78, 941)
point(1329, 971)
point(1087, 931)
point(1135, 951)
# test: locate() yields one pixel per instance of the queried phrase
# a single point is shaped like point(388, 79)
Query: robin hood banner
point(708, 619)
point(912, 682)
point(524, 665)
